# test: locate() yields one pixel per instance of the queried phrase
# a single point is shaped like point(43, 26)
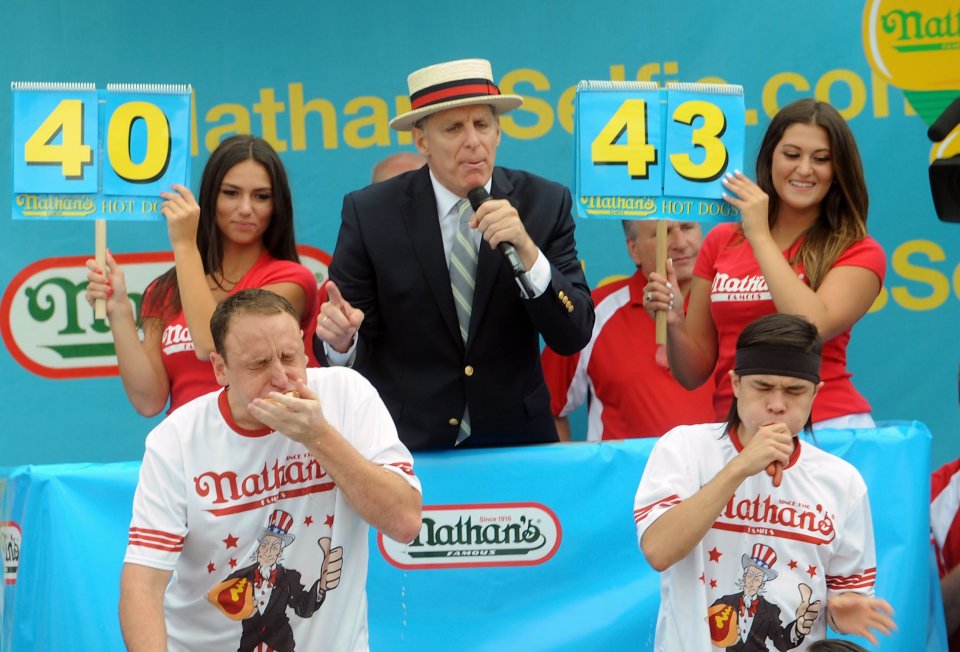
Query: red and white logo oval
point(465, 536)
point(49, 328)
point(11, 539)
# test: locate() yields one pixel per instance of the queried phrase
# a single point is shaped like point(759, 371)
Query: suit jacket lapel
point(423, 229)
point(489, 261)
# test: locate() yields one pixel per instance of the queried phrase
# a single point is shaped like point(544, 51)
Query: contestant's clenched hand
point(299, 418)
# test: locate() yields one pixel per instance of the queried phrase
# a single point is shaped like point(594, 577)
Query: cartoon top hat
point(763, 557)
point(279, 525)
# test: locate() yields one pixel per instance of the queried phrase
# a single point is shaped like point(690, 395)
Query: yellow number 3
point(707, 137)
point(71, 154)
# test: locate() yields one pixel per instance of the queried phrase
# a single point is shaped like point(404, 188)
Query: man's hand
point(854, 613)
point(339, 321)
point(299, 418)
point(498, 221)
point(771, 444)
point(806, 612)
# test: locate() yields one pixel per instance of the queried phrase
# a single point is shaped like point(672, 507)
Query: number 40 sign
point(644, 152)
point(80, 153)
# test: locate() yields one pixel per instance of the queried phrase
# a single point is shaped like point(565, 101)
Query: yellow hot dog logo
point(914, 44)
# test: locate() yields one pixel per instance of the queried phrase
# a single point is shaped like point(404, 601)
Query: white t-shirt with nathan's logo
point(815, 529)
point(209, 492)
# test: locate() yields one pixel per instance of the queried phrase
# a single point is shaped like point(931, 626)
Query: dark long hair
point(162, 298)
point(843, 212)
point(780, 331)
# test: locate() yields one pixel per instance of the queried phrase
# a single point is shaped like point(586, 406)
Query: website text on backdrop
point(456, 369)
point(757, 536)
point(801, 248)
point(320, 453)
point(238, 235)
point(623, 373)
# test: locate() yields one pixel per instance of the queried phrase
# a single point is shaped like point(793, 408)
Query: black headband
point(778, 361)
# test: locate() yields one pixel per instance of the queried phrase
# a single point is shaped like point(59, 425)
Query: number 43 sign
point(644, 152)
point(82, 153)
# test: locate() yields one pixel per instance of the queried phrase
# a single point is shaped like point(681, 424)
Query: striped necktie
point(463, 273)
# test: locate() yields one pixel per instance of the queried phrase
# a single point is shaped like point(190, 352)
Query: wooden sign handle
point(662, 271)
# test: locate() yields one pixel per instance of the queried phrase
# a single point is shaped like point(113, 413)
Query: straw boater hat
point(448, 85)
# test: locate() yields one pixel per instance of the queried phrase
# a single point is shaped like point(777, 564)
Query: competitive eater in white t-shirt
point(761, 540)
point(251, 514)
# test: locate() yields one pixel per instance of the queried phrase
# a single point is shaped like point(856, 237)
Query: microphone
point(479, 195)
point(943, 125)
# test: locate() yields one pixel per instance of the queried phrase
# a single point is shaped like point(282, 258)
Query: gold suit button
point(454, 422)
point(468, 370)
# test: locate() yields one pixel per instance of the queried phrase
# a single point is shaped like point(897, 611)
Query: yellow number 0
point(707, 137)
point(67, 120)
point(637, 153)
point(158, 142)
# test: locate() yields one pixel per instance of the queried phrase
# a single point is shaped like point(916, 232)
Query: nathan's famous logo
point(50, 329)
point(10, 542)
point(914, 44)
point(227, 492)
point(459, 536)
point(786, 519)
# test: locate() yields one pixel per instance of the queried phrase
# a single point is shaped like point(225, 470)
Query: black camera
point(945, 172)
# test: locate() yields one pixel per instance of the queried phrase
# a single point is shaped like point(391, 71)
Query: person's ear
point(219, 368)
point(735, 383)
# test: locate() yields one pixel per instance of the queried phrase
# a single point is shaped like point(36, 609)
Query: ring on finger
point(649, 296)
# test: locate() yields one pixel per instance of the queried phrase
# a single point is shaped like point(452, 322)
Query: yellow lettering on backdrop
point(880, 301)
point(771, 90)
point(939, 284)
point(533, 105)
point(371, 127)
point(402, 105)
point(378, 119)
point(565, 109)
point(267, 108)
point(240, 124)
point(298, 119)
point(858, 91)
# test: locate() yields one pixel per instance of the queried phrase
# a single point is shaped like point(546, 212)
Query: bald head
point(396, 164)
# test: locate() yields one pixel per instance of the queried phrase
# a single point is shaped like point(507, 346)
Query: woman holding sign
point(239, 235)
point(801, 248)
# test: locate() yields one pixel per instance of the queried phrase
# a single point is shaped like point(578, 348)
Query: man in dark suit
point(445, 383)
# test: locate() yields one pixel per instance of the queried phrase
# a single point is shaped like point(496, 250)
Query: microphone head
point(477, 196)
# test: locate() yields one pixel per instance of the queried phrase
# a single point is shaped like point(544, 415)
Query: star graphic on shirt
point(308, 521)
point(792, 565)
point(713, 584)
point(329, 521)
point(210, 567)
point(812, 571)
point(233, 562)
point(715, 555)
point(230, 541)
point(703, 579)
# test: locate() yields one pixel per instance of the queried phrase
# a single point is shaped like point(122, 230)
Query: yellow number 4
point(71, 154)
point(637, 153)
